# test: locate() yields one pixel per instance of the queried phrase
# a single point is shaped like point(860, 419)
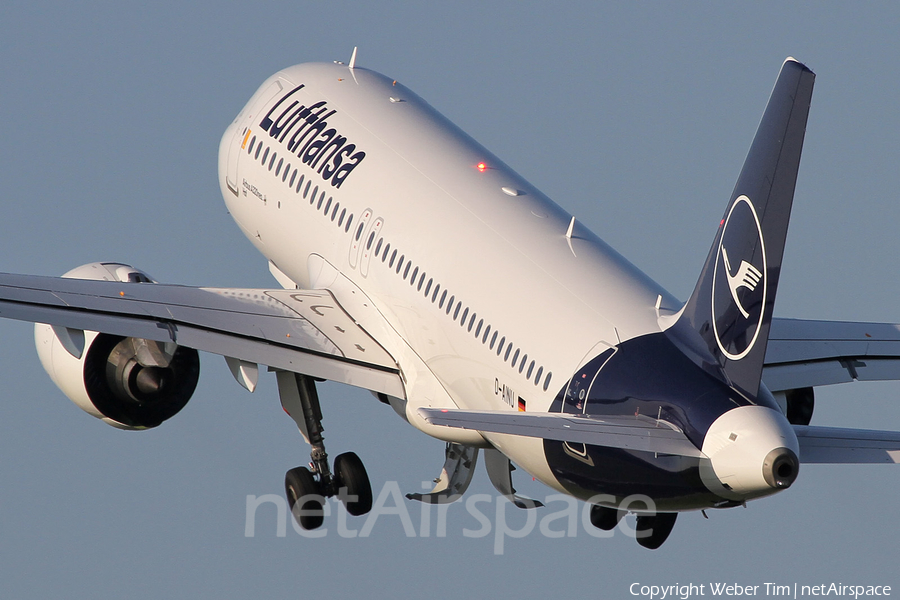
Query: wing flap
point(806, 353)
point(628, 433)
point(838, 445)
point(305, 331)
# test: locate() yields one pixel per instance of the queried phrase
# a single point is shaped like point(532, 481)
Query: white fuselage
point(520, 305)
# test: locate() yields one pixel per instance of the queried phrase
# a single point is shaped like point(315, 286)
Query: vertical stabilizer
point(725, 324)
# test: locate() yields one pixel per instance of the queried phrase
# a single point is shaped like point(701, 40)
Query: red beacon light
point(482, 167)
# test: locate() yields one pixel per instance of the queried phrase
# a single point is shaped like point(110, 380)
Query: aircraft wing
point(304, 331)
point(838, 445)
point(629, 433)
point(804, 353)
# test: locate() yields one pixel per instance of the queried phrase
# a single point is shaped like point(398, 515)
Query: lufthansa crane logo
point(747, 276)
point(739, 281)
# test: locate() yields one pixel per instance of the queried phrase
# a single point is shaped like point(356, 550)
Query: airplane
point(415, 264)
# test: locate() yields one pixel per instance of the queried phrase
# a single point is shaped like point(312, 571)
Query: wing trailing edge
point(303, 331)
point(806, 353)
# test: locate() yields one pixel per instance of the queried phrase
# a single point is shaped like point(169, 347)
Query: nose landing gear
point(307, 489)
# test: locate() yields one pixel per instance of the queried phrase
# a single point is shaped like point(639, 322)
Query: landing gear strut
point(307, 488)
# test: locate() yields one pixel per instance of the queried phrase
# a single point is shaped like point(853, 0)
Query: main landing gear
point(651, 530)
point(307, 488)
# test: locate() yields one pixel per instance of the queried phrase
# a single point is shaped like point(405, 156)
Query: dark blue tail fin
point(725, 324)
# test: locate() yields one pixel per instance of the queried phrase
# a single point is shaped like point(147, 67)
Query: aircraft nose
point(752, 452)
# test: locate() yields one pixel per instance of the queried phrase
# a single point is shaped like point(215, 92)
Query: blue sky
point(635, 117)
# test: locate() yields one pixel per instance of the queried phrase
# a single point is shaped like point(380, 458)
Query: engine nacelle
point(130, 383)
point(797, 405)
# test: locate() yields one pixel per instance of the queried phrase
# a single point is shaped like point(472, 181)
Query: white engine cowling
point(129, 383)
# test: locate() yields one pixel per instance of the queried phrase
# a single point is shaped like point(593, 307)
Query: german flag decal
point(521, 405)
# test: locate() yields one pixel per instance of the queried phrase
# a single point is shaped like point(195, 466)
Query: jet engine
point(130, 383)
point(797, 405)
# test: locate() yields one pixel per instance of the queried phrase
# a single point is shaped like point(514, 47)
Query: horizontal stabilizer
point(629, 433)
point(851, 446)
